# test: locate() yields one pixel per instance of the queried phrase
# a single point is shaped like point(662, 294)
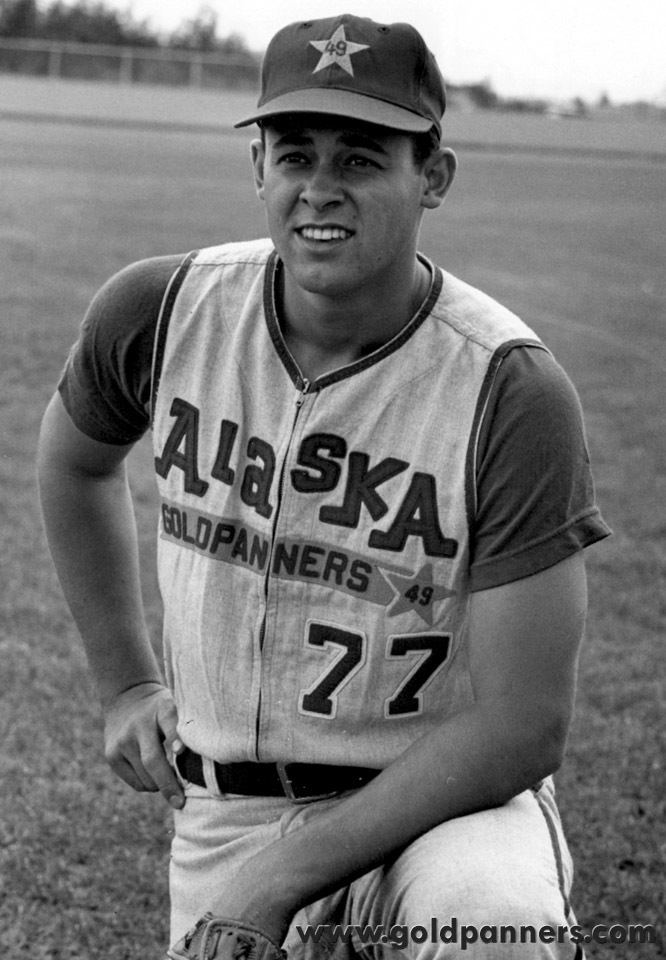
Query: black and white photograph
point(332, 480)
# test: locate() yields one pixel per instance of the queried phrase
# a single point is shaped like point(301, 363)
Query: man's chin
point(325, 280)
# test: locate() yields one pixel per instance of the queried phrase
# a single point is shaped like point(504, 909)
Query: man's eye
point(359, 161)
point(293, 158)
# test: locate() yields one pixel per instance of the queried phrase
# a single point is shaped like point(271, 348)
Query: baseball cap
point(352, 67)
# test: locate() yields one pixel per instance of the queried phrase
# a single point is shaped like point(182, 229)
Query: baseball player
point(374, 494)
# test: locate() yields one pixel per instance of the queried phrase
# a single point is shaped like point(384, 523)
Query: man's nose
point(322, 187)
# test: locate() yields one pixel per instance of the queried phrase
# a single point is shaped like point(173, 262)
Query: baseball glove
point(216, 938)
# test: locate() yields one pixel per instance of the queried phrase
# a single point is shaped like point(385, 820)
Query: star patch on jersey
point(337, 51)
point(417, 592)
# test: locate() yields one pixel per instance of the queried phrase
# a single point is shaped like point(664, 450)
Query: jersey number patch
point(425, 654)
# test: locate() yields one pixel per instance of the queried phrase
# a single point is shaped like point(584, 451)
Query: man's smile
point(325, 234)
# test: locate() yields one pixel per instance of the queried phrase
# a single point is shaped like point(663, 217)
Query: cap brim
point(342, 103)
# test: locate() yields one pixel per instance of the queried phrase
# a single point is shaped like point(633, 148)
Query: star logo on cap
point(338, 50)
point(417, 592)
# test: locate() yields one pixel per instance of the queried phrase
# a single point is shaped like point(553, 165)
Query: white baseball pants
point(468, 888)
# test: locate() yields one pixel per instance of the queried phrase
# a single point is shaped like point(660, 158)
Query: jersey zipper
point(303, 390)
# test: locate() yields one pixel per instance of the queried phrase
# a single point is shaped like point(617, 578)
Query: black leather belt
point(297, 781)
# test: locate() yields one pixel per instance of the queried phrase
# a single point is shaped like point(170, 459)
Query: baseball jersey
point(315, 538)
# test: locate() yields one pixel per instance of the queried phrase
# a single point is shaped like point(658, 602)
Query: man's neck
point(324, 334)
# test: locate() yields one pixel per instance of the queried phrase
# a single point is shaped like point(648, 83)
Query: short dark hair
point(423, 144)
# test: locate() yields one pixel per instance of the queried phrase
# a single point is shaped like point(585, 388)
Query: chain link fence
point(88, 61)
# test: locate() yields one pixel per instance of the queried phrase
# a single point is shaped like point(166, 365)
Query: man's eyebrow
point(293, 138)
point(351, 138)
point(356, 139)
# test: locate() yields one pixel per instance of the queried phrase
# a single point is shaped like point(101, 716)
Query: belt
point(298, 782)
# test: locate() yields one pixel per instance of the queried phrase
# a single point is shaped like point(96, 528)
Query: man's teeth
point(325, 233)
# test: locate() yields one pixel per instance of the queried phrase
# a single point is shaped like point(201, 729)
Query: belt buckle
point(288, 787)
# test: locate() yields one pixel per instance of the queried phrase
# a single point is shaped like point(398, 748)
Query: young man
point(375, 494)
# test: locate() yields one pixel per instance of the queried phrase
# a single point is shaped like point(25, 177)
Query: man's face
point(344, 202)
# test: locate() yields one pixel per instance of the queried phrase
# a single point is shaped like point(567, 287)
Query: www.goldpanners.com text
point(401, 936)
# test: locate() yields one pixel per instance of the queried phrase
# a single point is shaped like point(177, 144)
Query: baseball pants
point(491, 873)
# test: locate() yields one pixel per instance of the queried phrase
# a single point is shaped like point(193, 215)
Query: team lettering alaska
point(318, 470)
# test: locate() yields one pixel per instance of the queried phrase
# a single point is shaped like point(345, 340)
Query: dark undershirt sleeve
point(105, 385)
point(535, 494)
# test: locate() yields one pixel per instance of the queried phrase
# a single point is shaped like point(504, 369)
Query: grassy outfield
point(576, 246)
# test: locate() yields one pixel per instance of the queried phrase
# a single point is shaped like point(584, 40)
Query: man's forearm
point(92, 536)
point(92, 533)
point(479, 759)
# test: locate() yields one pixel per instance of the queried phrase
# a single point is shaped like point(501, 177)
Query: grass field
point(577, 246)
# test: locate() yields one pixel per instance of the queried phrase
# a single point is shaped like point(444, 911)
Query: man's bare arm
point(89, 519)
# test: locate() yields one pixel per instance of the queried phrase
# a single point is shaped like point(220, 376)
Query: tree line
point(91, 21)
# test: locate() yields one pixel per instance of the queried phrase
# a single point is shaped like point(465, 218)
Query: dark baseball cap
point(352, 67)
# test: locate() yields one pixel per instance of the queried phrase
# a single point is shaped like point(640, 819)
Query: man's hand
point(139, 733)
point(252, 896)
point(248, 918)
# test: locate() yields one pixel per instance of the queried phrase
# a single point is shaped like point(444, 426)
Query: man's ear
point(258, 155)
point(439, 170)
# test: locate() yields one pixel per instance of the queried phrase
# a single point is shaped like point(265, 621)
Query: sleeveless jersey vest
point(314, 538)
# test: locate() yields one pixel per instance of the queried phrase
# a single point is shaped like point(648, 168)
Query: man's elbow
point(530, 748)
point(548, 741)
